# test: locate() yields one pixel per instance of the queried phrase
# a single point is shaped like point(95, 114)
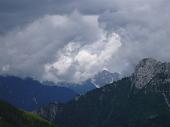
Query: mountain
point(152, 76)
point(13, 117)
point(141, 100)
point(30, 94)
point(149, 70)
point(105, 77)
point(83, 87)
point(100, 79)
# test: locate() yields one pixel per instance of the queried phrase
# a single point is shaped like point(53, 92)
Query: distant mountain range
point(99, 80)
point(30, 94)
point(140, 100)
point(105, 77)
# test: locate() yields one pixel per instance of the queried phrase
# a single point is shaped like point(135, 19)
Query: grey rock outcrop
point(149, 71)
point(49, 112)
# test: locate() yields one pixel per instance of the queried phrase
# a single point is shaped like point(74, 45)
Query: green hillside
point(13, 117)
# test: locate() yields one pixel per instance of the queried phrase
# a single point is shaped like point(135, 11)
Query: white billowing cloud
point(77, 62)
point(68, 48)
point(26, 51)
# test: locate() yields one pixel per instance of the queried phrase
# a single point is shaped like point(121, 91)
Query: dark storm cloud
point(15, 13)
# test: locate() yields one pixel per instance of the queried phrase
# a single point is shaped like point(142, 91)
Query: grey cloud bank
point(73, 40)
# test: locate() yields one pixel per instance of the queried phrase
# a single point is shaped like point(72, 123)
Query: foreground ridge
point(13, 117)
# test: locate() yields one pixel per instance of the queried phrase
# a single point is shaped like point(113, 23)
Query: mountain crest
point(105, 77)
point(149, 70)
point(144, 72)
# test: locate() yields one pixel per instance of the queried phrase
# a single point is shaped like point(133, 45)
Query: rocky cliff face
point(149, 70)
point(152, 76)
point(49, 112)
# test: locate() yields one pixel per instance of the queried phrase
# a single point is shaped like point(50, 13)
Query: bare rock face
point(49, 112)
point(146, 70)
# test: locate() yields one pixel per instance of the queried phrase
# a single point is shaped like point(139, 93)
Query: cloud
point(14, 14)
point(53, 41)
point(27, 51)
point(78, 62)
point(144, 29)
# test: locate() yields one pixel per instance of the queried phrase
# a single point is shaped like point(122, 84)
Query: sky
point(72, 40)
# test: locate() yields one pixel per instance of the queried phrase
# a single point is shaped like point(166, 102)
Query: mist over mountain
point(100, 79)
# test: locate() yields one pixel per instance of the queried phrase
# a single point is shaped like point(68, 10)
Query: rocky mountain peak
point(146, 70)
point(105, 77)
